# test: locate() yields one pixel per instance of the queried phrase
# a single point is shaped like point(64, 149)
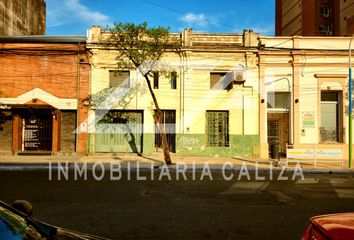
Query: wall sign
point(311, 153)
point(308, 119)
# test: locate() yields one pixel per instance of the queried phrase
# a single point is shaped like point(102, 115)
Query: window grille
point(217, 128)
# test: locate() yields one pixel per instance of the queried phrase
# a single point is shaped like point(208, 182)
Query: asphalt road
point(184, 209)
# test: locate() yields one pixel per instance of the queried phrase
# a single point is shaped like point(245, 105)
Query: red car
point(339, 226)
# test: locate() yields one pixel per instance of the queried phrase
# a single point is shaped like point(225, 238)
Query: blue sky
point(74, 17)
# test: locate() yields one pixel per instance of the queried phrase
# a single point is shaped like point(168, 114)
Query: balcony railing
point(331, 135)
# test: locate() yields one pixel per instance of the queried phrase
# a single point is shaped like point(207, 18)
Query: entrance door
point(37, 132)
point(169, 122)
point(119, 131)
point(278, 130)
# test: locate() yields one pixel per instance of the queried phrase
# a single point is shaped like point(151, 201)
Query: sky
point(75, 17)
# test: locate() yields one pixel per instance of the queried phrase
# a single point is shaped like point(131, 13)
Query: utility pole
point(350, 103)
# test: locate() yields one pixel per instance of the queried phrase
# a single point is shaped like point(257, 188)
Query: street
point(184, 209)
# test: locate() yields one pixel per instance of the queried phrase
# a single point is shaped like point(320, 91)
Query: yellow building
point(210, 98)
point(227, 95)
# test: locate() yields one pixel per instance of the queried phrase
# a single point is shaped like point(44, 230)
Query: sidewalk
point(156, 160)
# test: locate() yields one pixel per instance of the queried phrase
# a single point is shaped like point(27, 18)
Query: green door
point(119, 131)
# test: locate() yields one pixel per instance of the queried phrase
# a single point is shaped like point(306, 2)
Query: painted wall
point(193, 96)
point(305, 67)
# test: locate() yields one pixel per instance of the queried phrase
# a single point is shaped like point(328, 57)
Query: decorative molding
point(42, 96)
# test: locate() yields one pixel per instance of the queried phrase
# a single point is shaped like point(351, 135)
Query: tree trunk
point(158, 117)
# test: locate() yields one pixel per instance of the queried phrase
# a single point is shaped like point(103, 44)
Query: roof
point(336, 226)
point(43, 39)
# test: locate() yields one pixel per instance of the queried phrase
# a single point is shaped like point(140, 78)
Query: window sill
point(328, 143)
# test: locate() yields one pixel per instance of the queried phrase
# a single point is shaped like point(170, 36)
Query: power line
point(210, 20)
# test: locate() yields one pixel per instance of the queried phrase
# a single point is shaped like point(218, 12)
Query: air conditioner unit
point(239, 77)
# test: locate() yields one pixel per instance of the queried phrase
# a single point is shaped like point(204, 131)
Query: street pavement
point(180, 209)
point(156, 160)
point(262, 199)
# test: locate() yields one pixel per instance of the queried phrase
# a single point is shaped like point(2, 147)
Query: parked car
point(16, 223)
point(339, 226)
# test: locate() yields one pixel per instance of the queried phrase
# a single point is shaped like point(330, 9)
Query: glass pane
point(215, 81)
point(119, 78)
point(173, 80)
point(329, 130)
point(329, 96)
point(279, 100)
point(8, 232)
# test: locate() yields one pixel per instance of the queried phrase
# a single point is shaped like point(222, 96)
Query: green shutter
point(119, 131)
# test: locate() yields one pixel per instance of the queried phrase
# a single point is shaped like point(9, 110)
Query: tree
point(141, 47)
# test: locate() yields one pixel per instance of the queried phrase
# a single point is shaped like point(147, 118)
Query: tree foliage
point(141, 47)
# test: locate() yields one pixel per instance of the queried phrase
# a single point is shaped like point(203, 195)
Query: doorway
point(331, 130)
point(37, 131)
point(278, 130)
point(169, 123)
point(119, 131)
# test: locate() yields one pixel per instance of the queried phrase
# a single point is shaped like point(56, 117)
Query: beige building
point(304, 95)
point(18, 17)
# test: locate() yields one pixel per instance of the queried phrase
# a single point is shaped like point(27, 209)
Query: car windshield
point(7, 232)
point(13, 227)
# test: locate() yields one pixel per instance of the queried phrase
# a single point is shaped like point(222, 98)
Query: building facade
point(209, 97)
point(304, 95)
point(226, 95)
point(44, 82)
point(314, 17)
point(18, 17)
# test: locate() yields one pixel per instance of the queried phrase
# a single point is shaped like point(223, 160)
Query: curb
point(11, 166)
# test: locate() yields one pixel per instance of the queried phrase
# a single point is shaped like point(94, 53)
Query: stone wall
point(22, 17)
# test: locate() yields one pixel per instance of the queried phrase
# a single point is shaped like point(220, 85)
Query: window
point(217, 128)
point(330, 130)
point(173, 80)
point(279, 100)
point(221, 80)
point(119, 78)
point(156, 80)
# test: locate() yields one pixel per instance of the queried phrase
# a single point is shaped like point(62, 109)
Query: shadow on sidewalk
point(153, 160)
